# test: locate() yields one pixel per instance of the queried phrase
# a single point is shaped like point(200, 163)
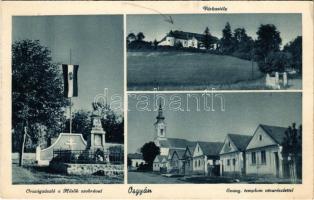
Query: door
point(276, 163)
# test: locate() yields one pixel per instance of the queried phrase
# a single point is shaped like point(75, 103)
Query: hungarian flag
point(70, 80)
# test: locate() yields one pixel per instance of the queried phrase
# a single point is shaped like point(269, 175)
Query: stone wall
point(87, 169)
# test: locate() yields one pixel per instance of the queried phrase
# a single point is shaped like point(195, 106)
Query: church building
point(167, 145)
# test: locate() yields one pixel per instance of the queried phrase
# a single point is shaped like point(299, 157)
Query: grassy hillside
point(175, 70)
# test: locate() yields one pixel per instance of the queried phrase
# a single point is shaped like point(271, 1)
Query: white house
point(176, 162)
point(263, 153)
point(136, 160)
point(232, 155)
point(187, 39)
point(160, 162)
point(206, 158)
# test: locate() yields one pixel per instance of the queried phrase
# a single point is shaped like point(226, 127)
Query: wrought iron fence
point(88, 156)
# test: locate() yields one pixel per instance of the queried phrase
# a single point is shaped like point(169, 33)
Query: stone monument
point(96, 139)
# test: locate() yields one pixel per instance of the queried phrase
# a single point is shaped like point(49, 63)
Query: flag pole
point(70, 101)
point(70, 115)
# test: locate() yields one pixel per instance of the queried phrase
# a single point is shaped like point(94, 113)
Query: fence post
point(285, 79)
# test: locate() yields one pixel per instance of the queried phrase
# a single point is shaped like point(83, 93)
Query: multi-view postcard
point(156, 100)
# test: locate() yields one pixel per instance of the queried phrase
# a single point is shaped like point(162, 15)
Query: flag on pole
point(70, 80)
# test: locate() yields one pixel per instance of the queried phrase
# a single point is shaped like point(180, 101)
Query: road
point(148, 177)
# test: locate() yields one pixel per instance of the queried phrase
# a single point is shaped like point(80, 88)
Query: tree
point(295, 48)
point(37, 92)
point(178, 45)
point(112, 123)
point(226, 40)
point(292, 149)
point(268, 41)
point(150, 151)
point(81, 123)
point(243, 44)
point(276, 62)
point(140, 36)
point(130, 38)
point(207, 40)
point(155, 43)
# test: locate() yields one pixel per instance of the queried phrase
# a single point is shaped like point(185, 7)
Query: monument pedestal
point(97, 139)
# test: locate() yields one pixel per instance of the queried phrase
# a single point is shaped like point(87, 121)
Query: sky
point(243, 112)
point(96, 43)
point(155, 26)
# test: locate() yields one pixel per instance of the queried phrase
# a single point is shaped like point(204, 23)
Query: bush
point(275, 62)
point(144, 168)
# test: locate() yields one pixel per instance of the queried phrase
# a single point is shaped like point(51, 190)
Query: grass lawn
point(184, 70)
point(31, 174)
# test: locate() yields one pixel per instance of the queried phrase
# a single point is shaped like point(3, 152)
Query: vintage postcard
point(156, 100)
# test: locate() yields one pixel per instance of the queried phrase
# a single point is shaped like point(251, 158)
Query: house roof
point(240, 141)
point(159, 158)
point(180, 153)
point(171, 151)
point(211, 148)
point(175, 143)
point(186, 36)
point(135, 156)
point(275, 132)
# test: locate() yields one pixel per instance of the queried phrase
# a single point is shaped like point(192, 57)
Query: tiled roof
point(160, 158)
point(175, 143)
point(180, 153)
point(186, 36)
point(135, 156)
point(211, 148)
point(240, 141)
point(276, 132)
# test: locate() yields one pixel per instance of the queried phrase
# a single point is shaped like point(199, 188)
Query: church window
point(260, 137)
point(199, 163)
point(161, 131)
point(234, 161)
point(229, 144)
point(228, 162)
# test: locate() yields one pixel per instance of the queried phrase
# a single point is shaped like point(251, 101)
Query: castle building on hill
point(187, 40)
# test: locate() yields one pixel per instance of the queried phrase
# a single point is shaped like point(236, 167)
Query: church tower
point(160, 125)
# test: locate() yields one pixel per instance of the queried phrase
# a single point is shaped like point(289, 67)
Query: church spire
point(160, 115)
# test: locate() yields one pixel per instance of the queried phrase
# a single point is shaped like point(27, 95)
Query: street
point(148, 177)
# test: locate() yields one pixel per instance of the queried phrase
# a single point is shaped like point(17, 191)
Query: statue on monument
point(96, 115)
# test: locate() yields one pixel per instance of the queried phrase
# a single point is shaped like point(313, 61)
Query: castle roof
point(187, 35)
